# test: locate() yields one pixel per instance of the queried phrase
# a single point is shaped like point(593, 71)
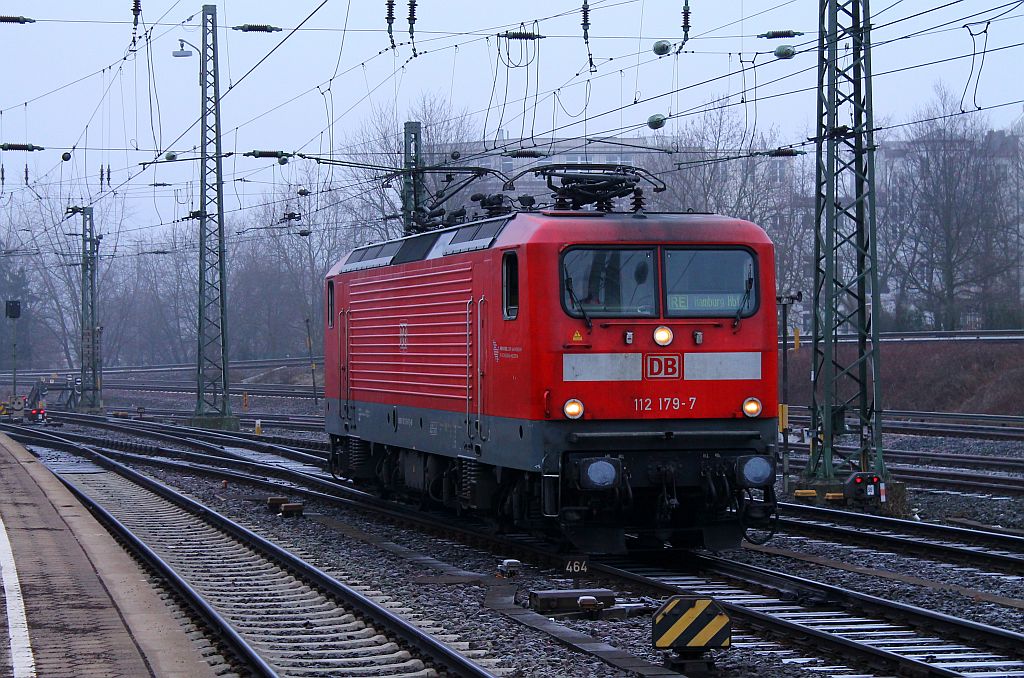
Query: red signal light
point(858, 480)
point(875, 479)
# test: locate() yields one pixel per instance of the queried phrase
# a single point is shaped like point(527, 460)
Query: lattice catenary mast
point(213, 403)
point(91, 397)
point(847, 386)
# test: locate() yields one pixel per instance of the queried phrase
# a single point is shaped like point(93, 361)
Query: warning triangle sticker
point(576, 336)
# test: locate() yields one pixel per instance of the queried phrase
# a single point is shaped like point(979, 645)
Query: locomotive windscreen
point(609, 282)
point(709, 282)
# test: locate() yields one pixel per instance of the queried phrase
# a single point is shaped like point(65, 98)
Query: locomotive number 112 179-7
point(664, 404)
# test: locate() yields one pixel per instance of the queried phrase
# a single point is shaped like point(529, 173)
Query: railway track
point(1014, 464)
point(952, 424)
point(888, 636)
point(960, 480)
point(1004, 485)
point(297, 422)
point(979, 548)
point(281, 614)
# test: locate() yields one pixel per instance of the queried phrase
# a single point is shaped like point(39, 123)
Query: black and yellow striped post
point(691, 625)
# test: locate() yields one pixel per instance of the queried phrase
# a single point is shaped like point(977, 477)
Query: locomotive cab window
point(510, 285)
point(330, 303)
point(609, 282)
point(703, 282)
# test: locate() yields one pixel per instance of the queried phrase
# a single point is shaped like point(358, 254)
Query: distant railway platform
point(74, 603)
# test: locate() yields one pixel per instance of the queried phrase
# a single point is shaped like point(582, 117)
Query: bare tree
point(373, 204)
point(951, 203)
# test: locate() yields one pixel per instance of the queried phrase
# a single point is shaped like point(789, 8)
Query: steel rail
point(210, 440)
point(971, 462)
point(957, 543)
point(923, 528)
point(436, 650)
point(210, 616)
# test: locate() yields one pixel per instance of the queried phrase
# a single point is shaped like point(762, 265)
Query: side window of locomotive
point(710, 282)
point(330, 303)
point(609, 282)
point(510, 285)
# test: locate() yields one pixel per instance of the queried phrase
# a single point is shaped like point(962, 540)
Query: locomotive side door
point(343, 321)
point(479, 326)
point(476, 343)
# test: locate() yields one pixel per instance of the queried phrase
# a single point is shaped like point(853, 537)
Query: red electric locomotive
point(610, 373)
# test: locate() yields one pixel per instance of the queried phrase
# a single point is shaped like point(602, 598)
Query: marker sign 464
point(576, 566)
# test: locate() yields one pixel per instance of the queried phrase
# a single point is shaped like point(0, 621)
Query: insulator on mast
point(686, 21)
point(390, 18)
point(585, 11)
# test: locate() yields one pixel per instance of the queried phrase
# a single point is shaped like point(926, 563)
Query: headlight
point(752, 407)
point(573, 408)
point(755, 471)
point(601, 473)
point(662, 336)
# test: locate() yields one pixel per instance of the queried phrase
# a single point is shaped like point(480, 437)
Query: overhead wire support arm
point(322, 160)
point(445, 169)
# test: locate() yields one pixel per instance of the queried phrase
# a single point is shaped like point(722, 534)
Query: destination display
point(704, 302)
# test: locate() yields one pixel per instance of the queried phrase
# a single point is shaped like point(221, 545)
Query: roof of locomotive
point(549, 226)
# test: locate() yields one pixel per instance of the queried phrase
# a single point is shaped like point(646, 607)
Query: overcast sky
point(72, 80)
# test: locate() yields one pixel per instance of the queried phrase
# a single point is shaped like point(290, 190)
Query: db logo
point(663, 366)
